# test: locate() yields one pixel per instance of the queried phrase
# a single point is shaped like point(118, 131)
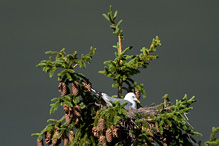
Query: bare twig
point(120, 44)
point(75, 66)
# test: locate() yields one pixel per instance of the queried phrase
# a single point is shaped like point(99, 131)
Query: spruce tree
point(86, 121)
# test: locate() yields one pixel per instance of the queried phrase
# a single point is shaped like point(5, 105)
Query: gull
point(129, 97)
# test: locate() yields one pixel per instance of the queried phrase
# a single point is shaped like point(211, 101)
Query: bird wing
point(107, 99)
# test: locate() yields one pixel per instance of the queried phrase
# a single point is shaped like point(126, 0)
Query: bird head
point(131, 97)
point(97, 93)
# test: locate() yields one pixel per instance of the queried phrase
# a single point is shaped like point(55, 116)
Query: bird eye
point(133, 96)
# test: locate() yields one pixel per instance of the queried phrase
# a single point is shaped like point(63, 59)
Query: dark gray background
point(188, 63)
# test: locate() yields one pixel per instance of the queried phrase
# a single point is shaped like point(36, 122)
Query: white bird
point(129, 97)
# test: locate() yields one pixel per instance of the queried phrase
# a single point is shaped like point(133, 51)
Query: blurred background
point(187, 63)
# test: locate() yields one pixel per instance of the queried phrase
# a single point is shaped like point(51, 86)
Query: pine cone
point(94, 129)
point(75, 88)
point(109, 135)
point(48, 137)
point(71, 135)
point(67, 118)
point(71, 112)
point(101, 124)
point(77, 111)
point(87, 86)
point(151, 138)
point(95, 132)
point(66, 108)
point(102, 140)
point(66, 140)
point(98, 129)
point(116, 132)
point(77, 122)
point(56, 141)
point(137, 93)
point(39, 142)
point(63, 88)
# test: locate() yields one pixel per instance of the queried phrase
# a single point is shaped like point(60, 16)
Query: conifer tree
point(86, 121)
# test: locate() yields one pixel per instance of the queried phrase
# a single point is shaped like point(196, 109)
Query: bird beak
point(138, 101)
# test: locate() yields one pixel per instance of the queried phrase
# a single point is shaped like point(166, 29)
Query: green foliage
point(50, 128)
point(110, 16)
point(169, 124)
point(112, 115)
point(124, 66)
point(212, 140)
point(67, 99)
point(68, 62)
point(84, 136)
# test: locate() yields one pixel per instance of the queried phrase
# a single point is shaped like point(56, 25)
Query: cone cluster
point(56, 142)
point(64, 89)
point(48, 138)
point(71, 112)
point(106, 135)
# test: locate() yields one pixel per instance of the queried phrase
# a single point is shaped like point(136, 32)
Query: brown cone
point(77, 111)
point(71, 135)
point(94, 129)
point(87, 87)
point(77, 122)
point(71, 113)
point(151, 138)
point(116, 132)
point(66, 140)
point(48, 137)
point(63, 88)
point(109, 135)
point(39, 142)
point(67, 118)
point(66, 108)
point(98, 129)
point(95, 132)
point(137, 93)
point(102, 140)
point(56, 141)
point(75, 88)
point(101, 124)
